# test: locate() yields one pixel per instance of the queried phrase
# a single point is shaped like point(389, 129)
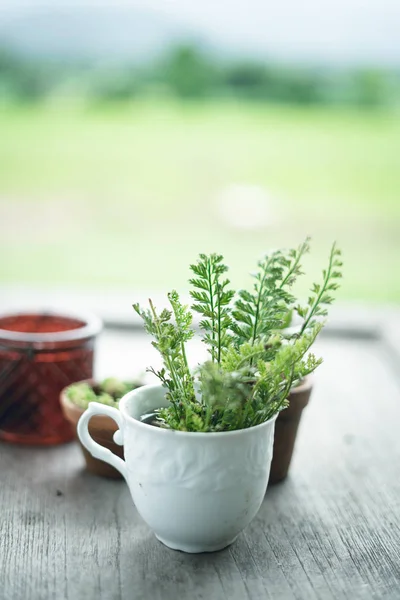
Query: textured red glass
point(40, 354)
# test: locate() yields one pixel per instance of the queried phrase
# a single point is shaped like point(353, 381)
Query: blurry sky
point(340, 31)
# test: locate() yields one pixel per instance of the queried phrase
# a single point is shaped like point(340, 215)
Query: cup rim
point(191, 434)
point(92, 325)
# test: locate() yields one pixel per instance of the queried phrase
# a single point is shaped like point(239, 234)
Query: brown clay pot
point(286, 427)
point(101, 429)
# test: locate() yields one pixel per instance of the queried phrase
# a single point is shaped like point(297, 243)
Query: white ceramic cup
point(197, 491)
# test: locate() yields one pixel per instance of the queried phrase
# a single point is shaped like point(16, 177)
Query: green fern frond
point(212, 300)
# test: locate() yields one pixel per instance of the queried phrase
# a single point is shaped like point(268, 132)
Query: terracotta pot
point(101, 429)
point(286, 427)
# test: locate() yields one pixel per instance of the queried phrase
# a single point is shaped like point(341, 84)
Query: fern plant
point(259, 313)
point(254, 361)
point(212, 300)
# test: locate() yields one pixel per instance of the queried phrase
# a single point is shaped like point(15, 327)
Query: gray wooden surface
point(332, 530)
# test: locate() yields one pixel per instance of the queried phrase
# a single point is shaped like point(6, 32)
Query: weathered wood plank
point(332, 530)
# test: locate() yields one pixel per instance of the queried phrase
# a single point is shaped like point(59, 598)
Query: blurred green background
point(118, 175)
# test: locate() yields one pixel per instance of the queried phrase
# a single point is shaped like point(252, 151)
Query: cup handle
point(95, 449)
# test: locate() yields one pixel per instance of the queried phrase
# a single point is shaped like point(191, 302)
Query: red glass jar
point(40, 354)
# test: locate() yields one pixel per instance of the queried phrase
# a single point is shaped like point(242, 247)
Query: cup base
point(189, 549)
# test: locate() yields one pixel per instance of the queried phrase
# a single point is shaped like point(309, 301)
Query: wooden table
point(331, 530)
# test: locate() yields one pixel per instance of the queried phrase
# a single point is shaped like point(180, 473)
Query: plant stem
point(170, 366)
point(260, 294)
point(219, 324)
point(321, 293)
point(183, 350)
point(256, 317)
point(302, 250)
point(212, 309)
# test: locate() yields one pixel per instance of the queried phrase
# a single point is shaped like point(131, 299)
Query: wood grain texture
point(330, 531)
